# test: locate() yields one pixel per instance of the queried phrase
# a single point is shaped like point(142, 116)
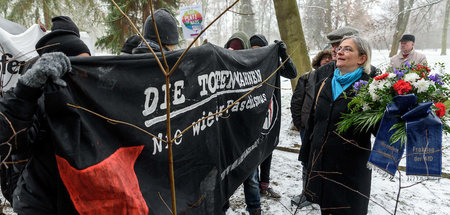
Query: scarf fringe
point(380, 171)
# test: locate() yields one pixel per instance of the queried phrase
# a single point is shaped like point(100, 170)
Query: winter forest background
point(377, 19)
point(382, 22)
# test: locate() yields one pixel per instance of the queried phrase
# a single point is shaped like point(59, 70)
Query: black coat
point(40, 189)
point(302, 99)
point(334, 166)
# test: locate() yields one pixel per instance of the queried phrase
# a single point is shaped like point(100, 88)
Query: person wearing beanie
point(407, 53)
point(64, 37)
point(167, 30)
point(257, 41)
point(38, 187)
point(131, 43)
point(62, 41)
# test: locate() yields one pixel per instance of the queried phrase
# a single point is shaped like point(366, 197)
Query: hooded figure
point(131, 43)
point(318, 58)
point(32, 183)
point(258, 40)
point(167, 29)
point(65, 38)
point(234, 40)
point(64, 23)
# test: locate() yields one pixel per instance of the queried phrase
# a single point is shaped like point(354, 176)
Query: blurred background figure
point(407, 53)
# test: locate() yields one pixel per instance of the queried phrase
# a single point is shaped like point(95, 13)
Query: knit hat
point(316, 60)
point(69, 43)
point(167, 27)
point(64, 23)
point(258, 40)
point(337, 35)
point(131, 43)
point(408, 37)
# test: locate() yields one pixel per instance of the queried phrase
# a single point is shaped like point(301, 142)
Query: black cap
point(131, 43)
point(167, 27)
point(64, 23)
point(408, 37)
point(258, 40)
point(69, 43)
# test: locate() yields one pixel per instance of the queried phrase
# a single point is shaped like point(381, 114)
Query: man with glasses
point(407, 53)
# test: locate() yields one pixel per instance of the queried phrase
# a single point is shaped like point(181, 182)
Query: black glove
point(50, 65)
point(282, 51)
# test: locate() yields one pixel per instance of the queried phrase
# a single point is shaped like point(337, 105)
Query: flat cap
point(337, 35)
point(408, 37)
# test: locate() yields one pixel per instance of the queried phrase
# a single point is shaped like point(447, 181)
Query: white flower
point(422, 85)
point(392, 75)
point(382, 84)
point(365, 107)
point(372, 91)
point(411, 77)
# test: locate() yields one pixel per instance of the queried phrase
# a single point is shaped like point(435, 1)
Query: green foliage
point(43, 10)
point(367, 107)
point(359, 121)
point(399, 134)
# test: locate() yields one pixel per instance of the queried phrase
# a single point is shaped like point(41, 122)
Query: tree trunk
point(47, 15)
point(247, 22)
point(402, 22)
point(145, 13)
point(291, 32)
point(328, 17)
point(445, 28)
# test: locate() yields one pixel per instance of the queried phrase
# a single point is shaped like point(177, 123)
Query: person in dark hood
point(65, 38)
point(39, 189)
point(257, 41)
point(239, 41)
point(321, 58)
point(167, 29)
point(131, 43)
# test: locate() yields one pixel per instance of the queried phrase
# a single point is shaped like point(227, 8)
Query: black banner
point(114, 168)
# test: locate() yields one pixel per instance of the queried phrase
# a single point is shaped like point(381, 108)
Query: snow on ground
point(429, 197)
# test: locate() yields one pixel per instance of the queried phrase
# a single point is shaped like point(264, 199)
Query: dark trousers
point(264, 175)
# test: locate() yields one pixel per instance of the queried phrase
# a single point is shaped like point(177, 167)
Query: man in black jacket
point(23, 124)
point(167, 30)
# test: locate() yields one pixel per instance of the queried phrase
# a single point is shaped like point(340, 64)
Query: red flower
point(381, 77)
point(402, 87)
point(441, 109)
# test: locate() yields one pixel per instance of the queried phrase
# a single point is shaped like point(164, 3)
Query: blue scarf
point(342, 82)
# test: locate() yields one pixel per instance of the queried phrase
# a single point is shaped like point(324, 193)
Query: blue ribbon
point(424, 138)
point(385, 155)
point(424, 141)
